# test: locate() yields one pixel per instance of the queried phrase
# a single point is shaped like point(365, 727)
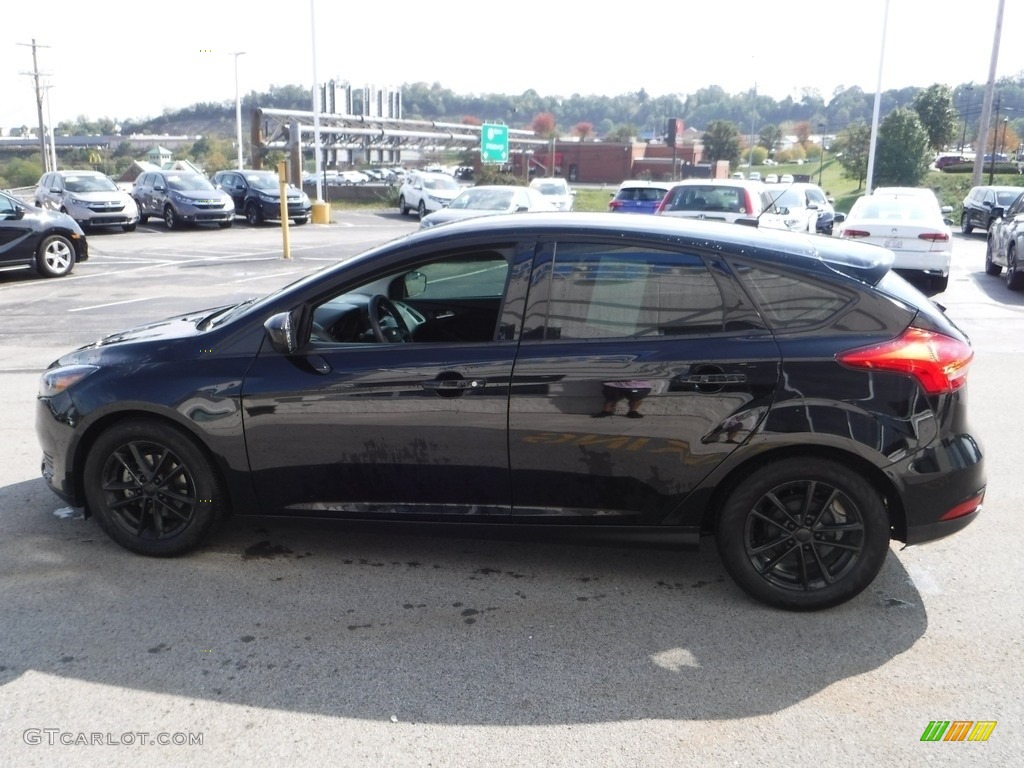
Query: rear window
point(719, 198)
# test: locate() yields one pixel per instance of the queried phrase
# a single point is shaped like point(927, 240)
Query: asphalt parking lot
point(305, 644)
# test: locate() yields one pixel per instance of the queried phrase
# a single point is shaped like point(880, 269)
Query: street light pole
point(963, 137)
point(821, 157)
point(238, 110)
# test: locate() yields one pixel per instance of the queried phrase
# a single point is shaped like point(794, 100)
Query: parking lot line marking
point(114, 303)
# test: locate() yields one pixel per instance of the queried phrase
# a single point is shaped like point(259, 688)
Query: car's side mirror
point(283, 331)
point(997, 212)
point(839, 218)
point(946, 209)
point(159, 188)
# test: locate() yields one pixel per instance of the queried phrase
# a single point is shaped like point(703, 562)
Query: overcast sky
point(136, 60)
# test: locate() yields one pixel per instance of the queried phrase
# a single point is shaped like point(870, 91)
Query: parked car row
point(1006, 243)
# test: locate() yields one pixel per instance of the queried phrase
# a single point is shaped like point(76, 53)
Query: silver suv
point(427, 192)
point(89, 197)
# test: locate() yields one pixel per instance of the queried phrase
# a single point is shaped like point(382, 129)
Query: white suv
point(714, 199)
point(426, 193)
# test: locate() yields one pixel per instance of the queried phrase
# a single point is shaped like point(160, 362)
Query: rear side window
point(599, 291)
point(791, 302)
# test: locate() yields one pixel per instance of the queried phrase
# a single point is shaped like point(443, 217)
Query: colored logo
point(958, 730)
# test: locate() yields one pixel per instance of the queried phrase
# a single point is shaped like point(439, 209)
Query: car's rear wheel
point(128, 227)
point(152, 489)
point(1014, 279)
point(253, 215)
point(803, 534)
point(300, 221)
point(991, 268)
point(225, 224)
point(171, 220)
point(55, 256)
point(965, 223)
point(940, 284)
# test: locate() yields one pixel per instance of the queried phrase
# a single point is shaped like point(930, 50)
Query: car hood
point(202, 194)
point(100, 196)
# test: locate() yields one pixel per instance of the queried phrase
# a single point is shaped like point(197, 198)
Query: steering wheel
point(381, 306)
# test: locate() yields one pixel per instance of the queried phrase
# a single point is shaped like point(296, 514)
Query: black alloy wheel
point(253, 215)
point(171, 220)
point(803, 534)
point(965, 223)
point(152, 489)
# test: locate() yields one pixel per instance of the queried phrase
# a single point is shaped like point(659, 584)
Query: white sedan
point(488, 201)
point(913, 228)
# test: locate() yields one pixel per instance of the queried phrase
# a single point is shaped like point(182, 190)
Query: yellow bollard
point(282, 177)
point(321, 212)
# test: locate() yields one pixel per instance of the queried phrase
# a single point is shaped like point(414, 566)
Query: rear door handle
point(454, 385)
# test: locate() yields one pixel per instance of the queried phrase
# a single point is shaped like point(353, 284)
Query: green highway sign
point(493, 143)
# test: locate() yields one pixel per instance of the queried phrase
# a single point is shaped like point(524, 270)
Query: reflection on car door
point(639, 371)
point(365, 428)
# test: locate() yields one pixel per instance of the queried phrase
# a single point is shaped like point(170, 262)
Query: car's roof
point(630, 183)
point(866, 263)
point(69, 172)
point(749, 183)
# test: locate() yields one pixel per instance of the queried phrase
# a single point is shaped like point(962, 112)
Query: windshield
point(188, 181)
point(267, 180)
point(89, 184)
point(441, 182)
point(551, 189)
point(787, 198)
point(483, 199)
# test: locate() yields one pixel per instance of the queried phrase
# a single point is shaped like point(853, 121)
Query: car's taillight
point(661, 204)
point(748, 202)
point(615, 204)
point(937, 361)
point(855, 233)
point(968, 507)
point(935, 237)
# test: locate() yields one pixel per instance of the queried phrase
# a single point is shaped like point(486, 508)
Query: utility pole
point(44, 157)
point(986, 109)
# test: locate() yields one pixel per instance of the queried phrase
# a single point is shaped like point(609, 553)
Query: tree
point(901, 154)
point(934, 107)
point(851, 147)
point(622, 134)
point(770, 136)
point(803, 132)
point(544, 125)
point(584, 130)
point(721, 141)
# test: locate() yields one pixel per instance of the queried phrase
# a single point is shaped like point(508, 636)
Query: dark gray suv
point(180, 197)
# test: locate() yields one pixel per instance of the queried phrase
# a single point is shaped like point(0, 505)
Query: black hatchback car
point(47, 241)
point(640, 376)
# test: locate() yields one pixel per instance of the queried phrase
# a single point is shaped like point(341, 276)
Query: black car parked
point(640, 376)
point(49, 242)
point(980, 206)
point(257, 196)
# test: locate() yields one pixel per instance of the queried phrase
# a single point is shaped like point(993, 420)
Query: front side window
point(602, 291)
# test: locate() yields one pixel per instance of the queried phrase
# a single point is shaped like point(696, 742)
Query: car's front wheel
point(253, 215)
point(55, 256)
point(965, 223)
point(991, 268)
point(422, 209)
point(803, 533)
point(402, 207)
point(171, 220)
point(128, 227)
point(152, 489)
point(1014, 279)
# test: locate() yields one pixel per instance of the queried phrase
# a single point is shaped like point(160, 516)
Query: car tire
point(128, 227)
point(55, 256)
point(421, 210)
point(253, 215)
point(803, 533)
point(965, 223)
point(939, 284)
point(402, 207)
point(1014, 279)
point(225, 224)
point(991, 268)
point(300, 221)
point(171, 220)
point(152, 488)
point(143, 217)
